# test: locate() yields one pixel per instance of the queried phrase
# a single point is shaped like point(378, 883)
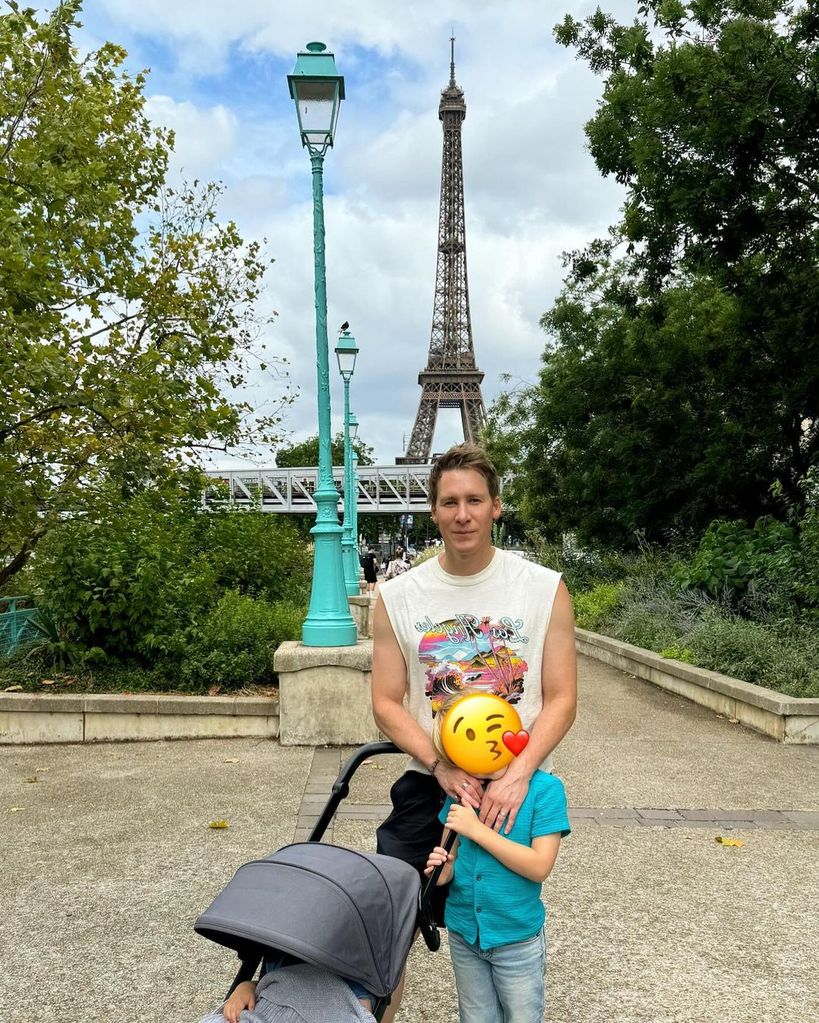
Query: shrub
point(139, 583)
point(732, 555)
point(256, 553)
point(234, 645)
point(755, 653)
point(595, 608)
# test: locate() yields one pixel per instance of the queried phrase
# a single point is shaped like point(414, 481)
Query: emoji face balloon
point(481, 733)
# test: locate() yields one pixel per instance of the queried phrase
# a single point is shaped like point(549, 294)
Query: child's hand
point(464, 821)
point(438, 856)
point(244, 997)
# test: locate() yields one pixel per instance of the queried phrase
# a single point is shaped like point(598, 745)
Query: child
point(319, 994)
point(494, 916)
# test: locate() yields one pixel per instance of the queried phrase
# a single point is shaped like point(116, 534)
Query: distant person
point(398, 565)
point(370, 570)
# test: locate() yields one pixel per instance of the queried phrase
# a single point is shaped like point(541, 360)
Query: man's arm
point(389, 683)
point(558, 679)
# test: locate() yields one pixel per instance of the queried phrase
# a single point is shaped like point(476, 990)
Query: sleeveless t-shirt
point(483, 631)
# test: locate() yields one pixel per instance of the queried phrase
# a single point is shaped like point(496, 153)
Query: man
point(472, 616)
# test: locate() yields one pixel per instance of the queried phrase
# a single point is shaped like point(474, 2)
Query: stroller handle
point(341, 786)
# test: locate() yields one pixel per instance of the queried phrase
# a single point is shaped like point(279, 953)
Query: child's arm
point(244, 997)
point(534, 863)
point(438, 856)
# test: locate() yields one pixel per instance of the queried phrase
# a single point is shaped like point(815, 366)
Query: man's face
point(464, 511)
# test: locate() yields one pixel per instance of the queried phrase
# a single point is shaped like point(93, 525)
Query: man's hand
point(462, 787)
point(464, 821)
point(502, 800)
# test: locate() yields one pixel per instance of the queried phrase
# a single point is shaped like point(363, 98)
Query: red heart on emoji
point(515, 743)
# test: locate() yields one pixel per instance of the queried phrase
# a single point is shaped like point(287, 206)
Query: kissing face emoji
point(474, 733)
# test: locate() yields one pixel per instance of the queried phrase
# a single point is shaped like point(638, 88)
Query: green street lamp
point(346, 353)
point(317, 90)
point(353, 437)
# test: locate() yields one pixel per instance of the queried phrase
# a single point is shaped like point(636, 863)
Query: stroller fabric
point(349, 912)
point(302, 994)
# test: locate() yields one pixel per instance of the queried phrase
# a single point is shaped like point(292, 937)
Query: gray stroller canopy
point(351, 912)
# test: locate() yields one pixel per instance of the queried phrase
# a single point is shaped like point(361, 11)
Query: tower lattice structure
point(451, 378)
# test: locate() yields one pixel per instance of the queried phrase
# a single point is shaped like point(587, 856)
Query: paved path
point(107, 859)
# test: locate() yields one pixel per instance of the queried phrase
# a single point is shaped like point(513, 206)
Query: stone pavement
point(107, 858)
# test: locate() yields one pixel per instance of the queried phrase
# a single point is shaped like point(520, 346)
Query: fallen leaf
point(733, 721)
point(231, 760)
point(735, 842)
point(13, 689)
point(218, 824)
point(46, 681)
point(31, 779)
point(15, 809)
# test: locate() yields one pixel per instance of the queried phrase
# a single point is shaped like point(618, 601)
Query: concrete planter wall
point(786, 718)
point(35, 718)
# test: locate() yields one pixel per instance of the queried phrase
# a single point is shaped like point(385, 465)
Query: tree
point(306, 453)
point(126, 309)
point(682, 378)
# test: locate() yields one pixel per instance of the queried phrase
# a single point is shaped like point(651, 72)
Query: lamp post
point(359, 571)
point(318, 89)
point(346, 352)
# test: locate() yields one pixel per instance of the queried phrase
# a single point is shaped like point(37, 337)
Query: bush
point(755, 653)
point(235, 643)
point(139, 585)
point(257, 553)
point(777, 559)
point(597, 606)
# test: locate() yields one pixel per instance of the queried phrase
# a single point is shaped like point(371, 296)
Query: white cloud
point(204, 139)
point(532, 190)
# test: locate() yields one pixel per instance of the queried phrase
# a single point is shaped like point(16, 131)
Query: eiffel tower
point(451, 379)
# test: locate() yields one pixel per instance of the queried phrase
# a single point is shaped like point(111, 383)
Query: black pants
point(412, 830)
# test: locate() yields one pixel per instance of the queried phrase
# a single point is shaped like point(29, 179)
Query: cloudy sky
point(218, 78)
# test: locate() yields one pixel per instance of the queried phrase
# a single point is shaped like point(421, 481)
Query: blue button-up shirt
point(488, 902)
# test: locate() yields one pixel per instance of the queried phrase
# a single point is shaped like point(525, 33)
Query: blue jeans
point(502, 985)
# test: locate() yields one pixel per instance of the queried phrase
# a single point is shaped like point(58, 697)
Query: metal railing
point(380, 489)
point(16, 624)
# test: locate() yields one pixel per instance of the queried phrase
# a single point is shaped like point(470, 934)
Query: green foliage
point(678, 653)
point(681, 377)
point(649, 609)
point(234, 645)
point(597, 606)
point(732, 555)
point(306, 452)
point(757, 653)
point(125, 306)
point(257, 554)
point(143, 583)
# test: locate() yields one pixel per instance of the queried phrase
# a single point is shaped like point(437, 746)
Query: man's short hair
point(464, 456)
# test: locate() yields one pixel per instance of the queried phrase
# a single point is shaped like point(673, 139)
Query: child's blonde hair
point(438, 723)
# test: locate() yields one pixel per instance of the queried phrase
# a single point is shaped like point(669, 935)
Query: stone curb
point(788, 719)
point(35, 718)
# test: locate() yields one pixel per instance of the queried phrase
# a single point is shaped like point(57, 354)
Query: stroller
point(351, 913)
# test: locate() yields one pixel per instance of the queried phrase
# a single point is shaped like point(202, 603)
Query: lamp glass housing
point(346, 353)
point(317, 90)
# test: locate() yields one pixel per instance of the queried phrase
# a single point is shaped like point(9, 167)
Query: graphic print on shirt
point(468, 652)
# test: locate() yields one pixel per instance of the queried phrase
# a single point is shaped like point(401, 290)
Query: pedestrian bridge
point(381, 489)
